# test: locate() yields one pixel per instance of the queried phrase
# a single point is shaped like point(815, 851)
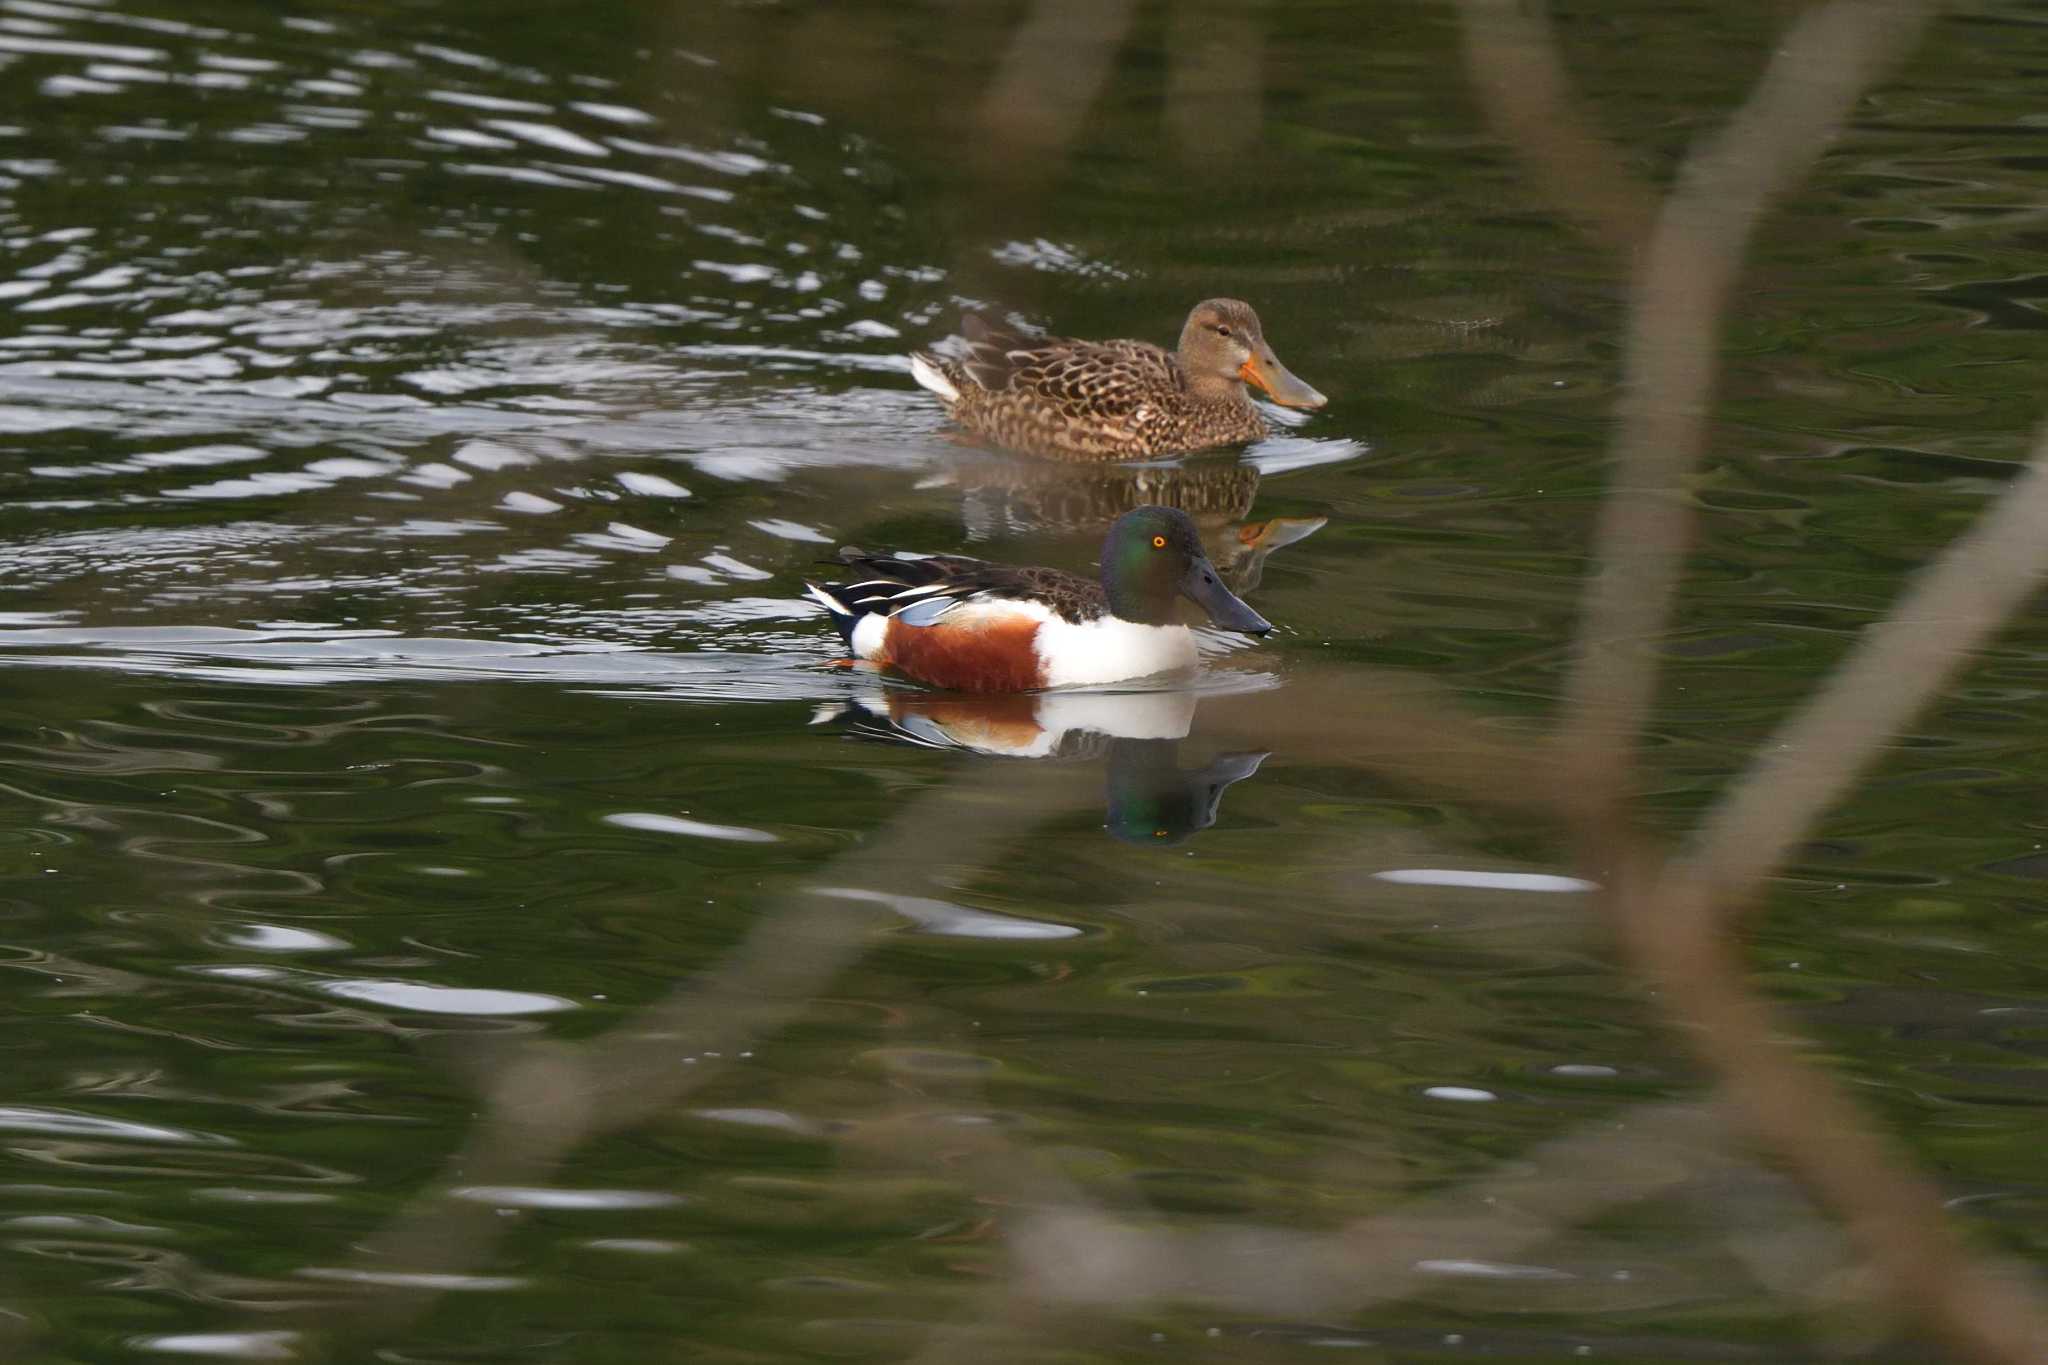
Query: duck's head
point(1152, 801)
point(1152, 557)
point(1222, 344)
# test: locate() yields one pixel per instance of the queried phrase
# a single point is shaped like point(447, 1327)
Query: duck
point(968, 625)
point(1115, 400)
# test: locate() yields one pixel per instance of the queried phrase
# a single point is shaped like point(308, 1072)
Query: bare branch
point(1513, 62)
point(1675, 932)
point(545, 1101)
point(1396, 723)
point(1681, 292)
point(1074, 1256)
point(1057, 63)
point(1898, 664)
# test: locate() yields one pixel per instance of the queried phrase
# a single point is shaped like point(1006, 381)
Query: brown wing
point(959, 578)
point(1083, 379)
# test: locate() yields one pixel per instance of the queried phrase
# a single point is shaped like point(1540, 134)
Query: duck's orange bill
point(1266, 371)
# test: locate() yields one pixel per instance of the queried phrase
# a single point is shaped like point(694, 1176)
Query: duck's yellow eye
point(1159, 542)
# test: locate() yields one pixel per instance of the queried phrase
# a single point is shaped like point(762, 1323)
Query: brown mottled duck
point(1115, 400)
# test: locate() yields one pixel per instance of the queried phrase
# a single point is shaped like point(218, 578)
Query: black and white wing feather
point(920, 592)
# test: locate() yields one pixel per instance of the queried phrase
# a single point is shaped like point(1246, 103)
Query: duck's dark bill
point(1205, 589)
point(1265, 370)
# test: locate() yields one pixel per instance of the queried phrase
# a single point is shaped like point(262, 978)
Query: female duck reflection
point(1003, 497)
point(1136, 735)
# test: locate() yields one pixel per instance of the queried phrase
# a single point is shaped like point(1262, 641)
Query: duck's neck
point(1134, 597)
point(1219, 391)
point(1140, 608)
point(1222, 390)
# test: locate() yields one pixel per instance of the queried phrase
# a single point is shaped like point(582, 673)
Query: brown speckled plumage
point(1117, 400)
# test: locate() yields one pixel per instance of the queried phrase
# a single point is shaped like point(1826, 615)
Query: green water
point(418, 420)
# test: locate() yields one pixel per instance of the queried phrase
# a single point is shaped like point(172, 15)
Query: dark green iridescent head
point(1153, 557)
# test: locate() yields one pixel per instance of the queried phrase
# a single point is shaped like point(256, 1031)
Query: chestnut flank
point(984, 655)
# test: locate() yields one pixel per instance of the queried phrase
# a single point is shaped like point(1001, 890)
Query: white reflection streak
point(1483, 880)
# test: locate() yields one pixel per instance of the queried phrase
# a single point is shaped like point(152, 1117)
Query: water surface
point(418, 421)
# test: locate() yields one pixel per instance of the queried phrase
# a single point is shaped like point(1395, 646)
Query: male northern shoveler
point(971, 626)
point(1115, 400)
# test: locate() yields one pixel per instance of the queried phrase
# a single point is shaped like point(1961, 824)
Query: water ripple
point(420, 419)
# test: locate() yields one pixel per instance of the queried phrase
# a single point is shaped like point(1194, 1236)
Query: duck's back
point(1072, 399)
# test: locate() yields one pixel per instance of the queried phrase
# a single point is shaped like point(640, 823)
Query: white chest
point(1108, 650)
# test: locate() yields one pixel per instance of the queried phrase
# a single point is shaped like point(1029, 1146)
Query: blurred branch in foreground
point(1074, 1256)
point(1679, 299)
point(1513, 62)
point(1068, 1256)
point(1058, 62)
point(548, 1099)
point(1676, 937)
point(1971, 590)
point(1672, 920)
point(1674, 923)
point(1214, 87)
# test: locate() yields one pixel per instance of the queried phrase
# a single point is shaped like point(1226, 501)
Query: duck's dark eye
point(1222, 330)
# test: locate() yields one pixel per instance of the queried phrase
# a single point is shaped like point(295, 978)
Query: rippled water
point(418, 420)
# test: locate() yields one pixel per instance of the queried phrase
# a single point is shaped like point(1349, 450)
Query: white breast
point(1108, 650)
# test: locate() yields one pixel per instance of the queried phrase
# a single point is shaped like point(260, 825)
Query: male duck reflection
point(1151, 799)
point(1115, 400)
point(971, 626)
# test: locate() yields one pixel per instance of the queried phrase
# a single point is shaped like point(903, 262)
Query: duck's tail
point(844, 618)
point(873, 601)
point(929, 371)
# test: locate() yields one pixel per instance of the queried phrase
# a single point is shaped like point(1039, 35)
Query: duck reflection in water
point(1001, 497)
point(1137, 737)
point(1153, 800)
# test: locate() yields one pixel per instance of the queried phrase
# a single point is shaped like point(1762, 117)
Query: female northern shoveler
point(971, 626)
point(1115, 400)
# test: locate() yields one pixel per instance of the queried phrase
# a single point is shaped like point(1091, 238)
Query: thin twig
point(1680, 297)
point(1512, 60)
point(1674, 930)
point(545, 1101)
point(1897, 666)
